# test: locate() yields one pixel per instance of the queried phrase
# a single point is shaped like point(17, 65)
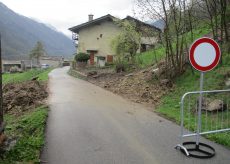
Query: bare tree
point(216, 11)
point(177, 18)
point(181, 17)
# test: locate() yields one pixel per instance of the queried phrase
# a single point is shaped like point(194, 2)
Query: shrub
point(120, 67)
point(82, 57)
point(109, 64)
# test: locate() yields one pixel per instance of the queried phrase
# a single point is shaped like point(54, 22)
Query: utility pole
point(1, 94)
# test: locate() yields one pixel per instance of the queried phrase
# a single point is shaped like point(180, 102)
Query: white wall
point(90, 39)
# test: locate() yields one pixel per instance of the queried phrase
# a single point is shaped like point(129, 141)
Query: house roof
point(141, 23)
point(108, 17)
point(92, 22)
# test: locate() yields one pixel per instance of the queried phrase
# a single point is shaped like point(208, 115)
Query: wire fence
point(215, 113)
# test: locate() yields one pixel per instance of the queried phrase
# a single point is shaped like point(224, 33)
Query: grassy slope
point(169, 106)
point(150, 57)
point(29, 127)
point(25, 76)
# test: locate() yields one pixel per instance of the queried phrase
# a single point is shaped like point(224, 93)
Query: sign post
point(204, 55)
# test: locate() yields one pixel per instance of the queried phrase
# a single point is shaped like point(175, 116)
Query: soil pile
point(138, 86)
point(21, 97)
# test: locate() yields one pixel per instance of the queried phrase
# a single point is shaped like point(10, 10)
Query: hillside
point(19, 35)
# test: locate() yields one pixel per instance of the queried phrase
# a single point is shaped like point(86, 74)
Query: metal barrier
point(203, 112)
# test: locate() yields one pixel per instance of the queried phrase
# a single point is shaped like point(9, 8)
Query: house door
point(91, 60)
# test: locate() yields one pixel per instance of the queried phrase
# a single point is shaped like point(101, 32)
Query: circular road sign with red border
point(204, 54)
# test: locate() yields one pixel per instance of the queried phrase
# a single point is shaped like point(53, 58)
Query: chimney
point(90, 17)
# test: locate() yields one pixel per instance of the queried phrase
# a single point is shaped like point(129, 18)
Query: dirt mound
point(137, 86)
point(21, 97)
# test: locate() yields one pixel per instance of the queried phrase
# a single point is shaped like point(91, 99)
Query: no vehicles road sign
point(204, 54)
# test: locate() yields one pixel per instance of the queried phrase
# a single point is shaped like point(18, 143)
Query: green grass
point(25, 76)
point(148, 58)
point(43, 76)
point(170, 106)
point(29, 128)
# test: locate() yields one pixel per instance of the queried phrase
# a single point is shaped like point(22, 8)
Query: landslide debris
point(138, 86)
point(21, 97)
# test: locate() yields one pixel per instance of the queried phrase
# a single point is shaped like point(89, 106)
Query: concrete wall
point(8, 64)
point(51, 63)
point(149, 40)
point(7, 67)
point(98, 37)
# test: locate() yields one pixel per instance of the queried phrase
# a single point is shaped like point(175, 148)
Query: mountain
point(20, 34)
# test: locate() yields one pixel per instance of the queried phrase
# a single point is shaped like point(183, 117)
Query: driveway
point(89, 125)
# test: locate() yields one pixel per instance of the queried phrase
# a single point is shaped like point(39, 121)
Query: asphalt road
point(89, 125)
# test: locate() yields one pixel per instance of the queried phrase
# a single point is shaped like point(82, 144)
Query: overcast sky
point(63, 14)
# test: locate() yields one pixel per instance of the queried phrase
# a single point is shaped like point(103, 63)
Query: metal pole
point(199, 109)
point(182, 120)
point(1, 95)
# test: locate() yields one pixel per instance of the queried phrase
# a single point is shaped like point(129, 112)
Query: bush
point(82, 57)
point(109, 64)
point(120, 67)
